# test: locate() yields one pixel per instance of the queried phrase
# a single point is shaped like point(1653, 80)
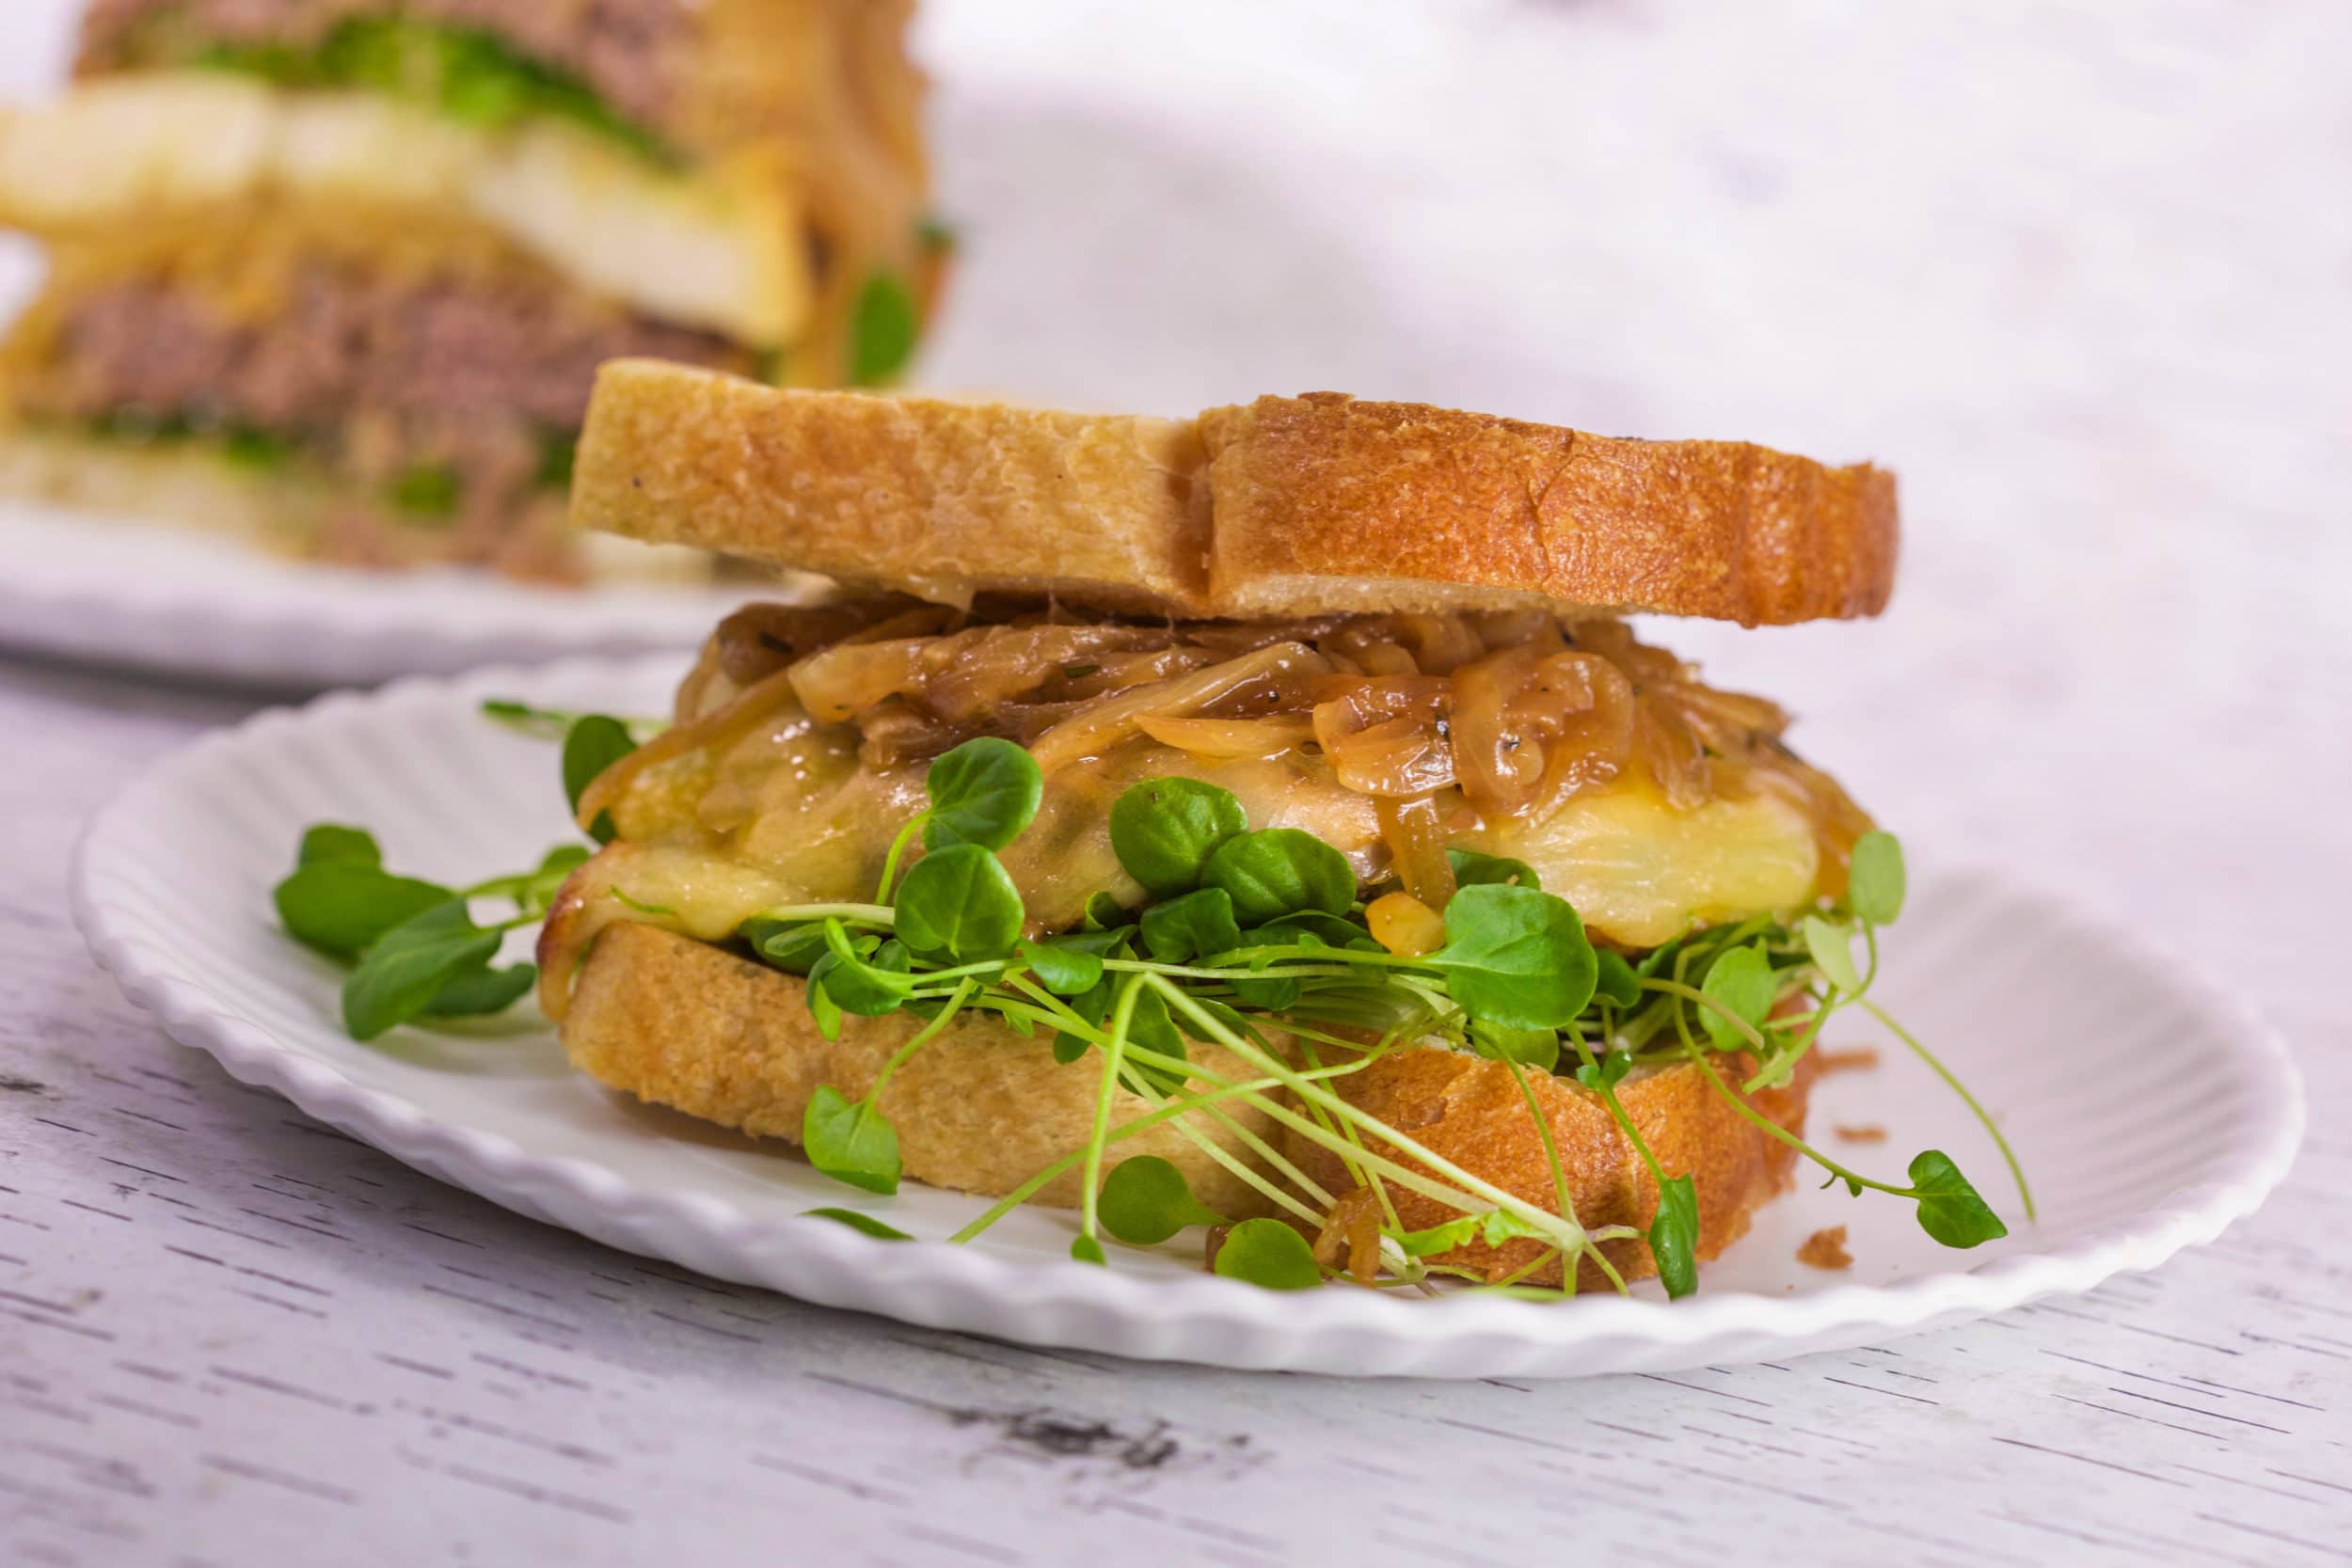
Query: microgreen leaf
point(1875, 879)
point(1606, 1074)
point(1831, 947)
point(1105, 913)
point(1274, 995)
point(342, 907)
point(1086, 1249)
point(1195, 926)
point(851, 1143)
point(1471, 869)
point(483, 990)
point(1329, 929)
point(1674, 1232)
point(1515, 958)
point(1740, 980)
point(1949, 1208)
point(959, 903)
point(1535, 1047)
point(885, 325)
point(1154, 1030)
point(1279, 871)
point(822, 1007)
point(1064, 967)
point(333, 843)
point(1459, 1231)
point(793, 946)
point(406, 968)
point(1269, 1253)
point(1094, 1005)
point(867, 1224)
point(593, 743)
point(1615, 981)
point(984, 792)
point(1146, 1201)
point(868, 986)
point(1163, 831)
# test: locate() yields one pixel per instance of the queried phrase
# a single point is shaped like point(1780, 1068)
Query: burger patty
point(620, 48)
point(386, 371)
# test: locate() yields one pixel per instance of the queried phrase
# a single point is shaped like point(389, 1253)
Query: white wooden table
point(2085, 283)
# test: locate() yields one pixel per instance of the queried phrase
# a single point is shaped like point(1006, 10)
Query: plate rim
point(968, 1288)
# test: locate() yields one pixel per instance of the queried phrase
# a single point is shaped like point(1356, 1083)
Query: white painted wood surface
point(2084, 278)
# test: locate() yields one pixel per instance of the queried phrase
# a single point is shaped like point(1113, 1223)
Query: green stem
point(1551, 1157)
point(1122, 1018)
point(865, 914)
point(2016, 1171)
point(923, 1036)
point(897, 848)
point(1768, 1125)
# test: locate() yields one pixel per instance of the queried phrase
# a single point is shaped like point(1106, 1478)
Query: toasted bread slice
point(980, 1109)
point(1286, 506)
point(680, 1023)
point(1469, 1110)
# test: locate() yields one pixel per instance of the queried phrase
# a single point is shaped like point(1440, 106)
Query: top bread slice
point(1284, 506)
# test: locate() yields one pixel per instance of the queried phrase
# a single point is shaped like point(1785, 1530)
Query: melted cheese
point(715, 246)
point(787, 816)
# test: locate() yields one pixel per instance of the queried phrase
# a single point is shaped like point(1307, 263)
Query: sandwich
point(336, 275)
point(1264, 822)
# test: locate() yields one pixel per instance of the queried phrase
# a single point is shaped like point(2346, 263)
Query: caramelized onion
point(1227, 737)
point(1089, 732)
point(716, 730)
point(1415, 834)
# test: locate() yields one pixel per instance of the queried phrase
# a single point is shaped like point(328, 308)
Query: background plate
point(195, 606)
point(2149, 1110)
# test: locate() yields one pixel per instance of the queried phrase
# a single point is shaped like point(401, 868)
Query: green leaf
point(1515, 958)
point(1145, 1200)
point(1279, 871)
point(427, 490)
point(1607, 1073)
point(1614, 980)
point(868, 986)
point(1741, 981)
point(1198, 925)
point(1830, 946)
point(1268, 995)
point(594, 742)
point(332, 844)
point(958, 903)
point(1459, 1231)
point(822, 1007)
point(482, 991)
point(884, 327)
point(404, 969)
point(1064, 967)
point(1163, 831)
point(1875, 880)
point(1535, 1047)
point(865, 1224)
point(1154, 1030)
point(342, 907)
point(1674, 1232)
point(1086, 1249)
point(1105, 913)
point(1471, 869)
point(1949, 1208)
point(983, 792)
point(1331, 930)
point(794, 946)
point(1269, 1253)
point(851, 1143)
point(1094, 1006)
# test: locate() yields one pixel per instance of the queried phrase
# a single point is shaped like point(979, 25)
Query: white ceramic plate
point(2045, 1011)
point(152, 597)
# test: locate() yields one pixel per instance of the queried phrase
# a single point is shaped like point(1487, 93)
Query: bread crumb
point(1867, 1133)
point(1826, 1249)
point(1852, 1059)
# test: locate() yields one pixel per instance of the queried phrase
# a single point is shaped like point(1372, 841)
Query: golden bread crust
point(1286, 506)
point(946, 499)
point(681, 1023)
point(1469, 1110)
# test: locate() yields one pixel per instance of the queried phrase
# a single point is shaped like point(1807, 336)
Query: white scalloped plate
point(2040, 1008)
point(155, 596)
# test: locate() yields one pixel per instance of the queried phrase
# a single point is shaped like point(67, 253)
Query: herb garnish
point(1245, 935)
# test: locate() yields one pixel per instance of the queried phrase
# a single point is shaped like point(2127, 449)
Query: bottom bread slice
point(981, 1109)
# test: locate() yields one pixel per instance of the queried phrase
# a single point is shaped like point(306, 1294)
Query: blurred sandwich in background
point(336, 275)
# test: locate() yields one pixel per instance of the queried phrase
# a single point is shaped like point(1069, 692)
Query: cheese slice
point(715, 246)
